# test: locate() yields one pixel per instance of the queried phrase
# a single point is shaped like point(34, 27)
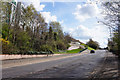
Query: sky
point(78, 18)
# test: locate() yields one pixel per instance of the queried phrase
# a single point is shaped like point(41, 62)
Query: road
point(72, 66)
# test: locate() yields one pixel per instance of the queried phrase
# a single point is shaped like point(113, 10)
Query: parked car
point(92, 51)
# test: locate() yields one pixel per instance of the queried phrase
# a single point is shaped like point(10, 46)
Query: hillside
point(75, 44)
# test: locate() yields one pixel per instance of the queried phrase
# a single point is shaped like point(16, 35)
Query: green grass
point(74, 51)
point(60, 52)
point(89, 48)
point(69, 51)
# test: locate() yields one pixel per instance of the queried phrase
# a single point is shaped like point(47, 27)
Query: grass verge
point(69, 51)
point(89, 48)
point(74, 51)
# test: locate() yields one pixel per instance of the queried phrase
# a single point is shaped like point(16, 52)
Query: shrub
point(68, 46)
point(61, 46)
point(7, 46)
point(45, 48)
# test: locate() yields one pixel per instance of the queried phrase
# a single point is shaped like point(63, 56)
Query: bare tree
point(112, 19)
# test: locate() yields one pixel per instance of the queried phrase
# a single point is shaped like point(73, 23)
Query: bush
point(7, 46)
point(80, 47)
point(61, 46)
point(68, 46)
point(93, 44)
point(45, 48)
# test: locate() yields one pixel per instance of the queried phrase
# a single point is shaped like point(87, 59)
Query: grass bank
point(89, 48)
point(74, 51)
point(69, 51)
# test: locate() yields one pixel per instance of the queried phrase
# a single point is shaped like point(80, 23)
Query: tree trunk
point(119, 45)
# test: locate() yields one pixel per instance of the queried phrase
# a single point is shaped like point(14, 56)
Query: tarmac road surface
point(72, 66)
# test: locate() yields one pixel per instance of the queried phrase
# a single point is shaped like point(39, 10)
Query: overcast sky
point(79, 18)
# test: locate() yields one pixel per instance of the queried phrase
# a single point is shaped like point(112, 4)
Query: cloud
point(48, 17)
point(37, 4)
point(54, 0)
point(86, 11)
point(61, 22)
point(98, 33)
point(80, 32)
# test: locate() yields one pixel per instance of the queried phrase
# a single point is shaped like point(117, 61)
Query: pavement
point(108, 69)
point(26, 61)
point(82, 65)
